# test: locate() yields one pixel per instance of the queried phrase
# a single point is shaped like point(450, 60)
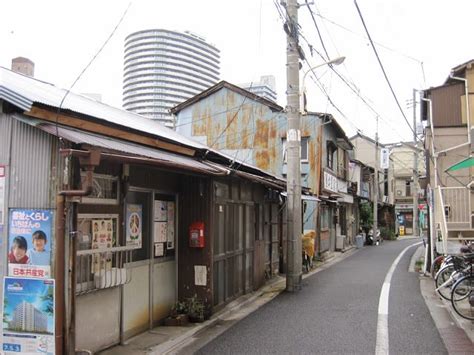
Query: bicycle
point(462, 294)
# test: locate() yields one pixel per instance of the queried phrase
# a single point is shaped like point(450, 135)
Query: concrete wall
point(98, 319)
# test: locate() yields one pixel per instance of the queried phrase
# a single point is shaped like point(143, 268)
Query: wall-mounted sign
point(28, 316)
point(134, 225)
point(29, 240)
point(330, 182)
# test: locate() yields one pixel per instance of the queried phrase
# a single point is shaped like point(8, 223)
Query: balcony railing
point(457, 207)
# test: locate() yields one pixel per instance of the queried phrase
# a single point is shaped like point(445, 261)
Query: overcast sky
point(61, 37)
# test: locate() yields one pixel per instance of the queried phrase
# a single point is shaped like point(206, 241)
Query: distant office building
point(29, 319)
point(164, 68)
point(24, 66)
point(264, 88)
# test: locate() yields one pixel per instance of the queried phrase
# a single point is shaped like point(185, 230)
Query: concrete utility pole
point(415, 171)
point(376, 182)
point(293, 142)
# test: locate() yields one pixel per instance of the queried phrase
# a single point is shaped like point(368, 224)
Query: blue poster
point(28, 316)
point(29, 243)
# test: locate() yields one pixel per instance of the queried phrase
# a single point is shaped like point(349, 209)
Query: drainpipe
point(89, 160)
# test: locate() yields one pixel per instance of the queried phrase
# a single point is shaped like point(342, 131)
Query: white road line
point(381, 345)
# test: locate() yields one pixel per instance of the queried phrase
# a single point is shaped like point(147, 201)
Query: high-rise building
point(264, 88)
point(24, 66)
point(27, 318)
point(164, 68)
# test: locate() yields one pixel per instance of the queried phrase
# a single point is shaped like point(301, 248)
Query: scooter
point(370, 240)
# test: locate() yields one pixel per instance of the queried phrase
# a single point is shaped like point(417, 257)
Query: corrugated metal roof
point(80, 137)
point(24, 91)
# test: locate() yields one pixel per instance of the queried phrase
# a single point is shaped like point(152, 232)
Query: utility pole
point(376, 183)
point(293, 143)
point(415, 171)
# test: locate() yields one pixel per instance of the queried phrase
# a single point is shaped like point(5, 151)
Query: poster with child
point(29, 243)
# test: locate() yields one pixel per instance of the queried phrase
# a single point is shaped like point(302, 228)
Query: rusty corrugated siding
point(447, 105)
point(30, 170)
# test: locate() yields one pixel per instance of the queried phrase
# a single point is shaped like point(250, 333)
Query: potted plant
point(195, 308)
point(178, 315)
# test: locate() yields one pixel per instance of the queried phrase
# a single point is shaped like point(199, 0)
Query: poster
point(134, 225)
point(200, 275)
point(2, 195)
point(102, 237)
point(161, 211)
point(160, 232)
point(159, 249)
point(29, 239)
point(28, 315)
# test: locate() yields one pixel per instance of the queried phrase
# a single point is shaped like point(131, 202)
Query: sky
point(418, 42)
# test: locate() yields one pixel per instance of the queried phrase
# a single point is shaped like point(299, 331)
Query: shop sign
point(384, 158)
point(134, 224)
point(2, 195)
point(330, 182)
point(28, 316)
point(29, 240)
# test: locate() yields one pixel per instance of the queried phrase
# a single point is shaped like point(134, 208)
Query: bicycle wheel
point(463, 297)
point(444, 282)
point(436, 265)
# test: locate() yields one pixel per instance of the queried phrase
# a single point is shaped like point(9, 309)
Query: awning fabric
point(463, 164)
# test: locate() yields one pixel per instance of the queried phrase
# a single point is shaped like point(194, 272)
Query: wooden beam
point(106, 130)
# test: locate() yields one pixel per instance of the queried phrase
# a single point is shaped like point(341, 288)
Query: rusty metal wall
point(447, 105)
point(31, 169)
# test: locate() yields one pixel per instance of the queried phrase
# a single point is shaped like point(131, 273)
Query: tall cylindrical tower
point(163, 68)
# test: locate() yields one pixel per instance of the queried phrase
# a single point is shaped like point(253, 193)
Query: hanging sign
point(384, 158)
point(29, 240)
point(28, 316)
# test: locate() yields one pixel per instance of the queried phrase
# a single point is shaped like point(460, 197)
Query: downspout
point(89, 160)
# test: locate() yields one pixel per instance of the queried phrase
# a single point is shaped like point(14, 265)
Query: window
point(303, 149)
point(331, 151)
point(105, 190)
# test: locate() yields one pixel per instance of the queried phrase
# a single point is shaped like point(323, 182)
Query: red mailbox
point(196, 235)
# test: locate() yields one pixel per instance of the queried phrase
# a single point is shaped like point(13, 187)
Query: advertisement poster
point(2, 195)
point(28, 316)
point(134, 225)
point(102, 237)
point(161, 211)
point(160, 232)
point(29, 243)
point(159, 249)
point(170, 234)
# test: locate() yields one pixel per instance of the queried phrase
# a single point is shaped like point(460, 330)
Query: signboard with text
point(29, 243)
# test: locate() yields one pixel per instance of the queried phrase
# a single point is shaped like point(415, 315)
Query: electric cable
point(382, 67)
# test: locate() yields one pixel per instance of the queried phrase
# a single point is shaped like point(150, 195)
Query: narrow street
point(337, 312)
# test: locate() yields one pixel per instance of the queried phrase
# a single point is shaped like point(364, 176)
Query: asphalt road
point(336, 312)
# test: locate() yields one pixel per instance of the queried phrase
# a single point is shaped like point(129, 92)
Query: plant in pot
point(178, 315)
point(195, 308)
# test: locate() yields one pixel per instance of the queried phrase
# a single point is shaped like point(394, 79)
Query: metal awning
point(134, 153)
point(463, 164)
point(304, 197)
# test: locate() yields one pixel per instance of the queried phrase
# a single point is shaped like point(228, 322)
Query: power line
point(383, 69)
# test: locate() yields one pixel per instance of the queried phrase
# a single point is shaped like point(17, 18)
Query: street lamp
point(335, 61)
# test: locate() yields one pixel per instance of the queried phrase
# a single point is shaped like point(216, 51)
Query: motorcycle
point(371, 240)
